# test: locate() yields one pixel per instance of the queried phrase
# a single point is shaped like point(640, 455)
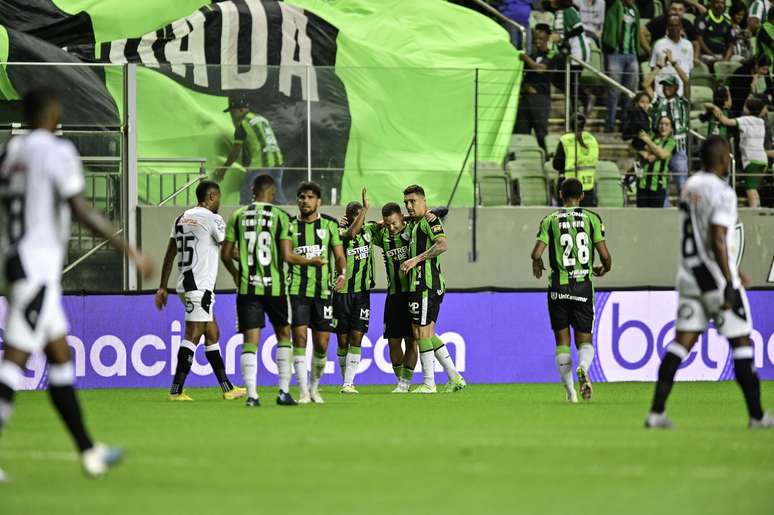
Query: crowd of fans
point(690, 36)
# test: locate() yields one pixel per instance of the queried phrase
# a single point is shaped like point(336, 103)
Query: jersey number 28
point(581, 242)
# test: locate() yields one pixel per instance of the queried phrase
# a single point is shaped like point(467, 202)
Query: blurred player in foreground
point(572, 234)
point(41, 185)
point(709, 284)
point(195, 239)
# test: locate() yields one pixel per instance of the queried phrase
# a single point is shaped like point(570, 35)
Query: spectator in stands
point(518, 11)
point(716, 41)
point(696, 6)
point(647, 8)
point(651, 169)
point(766, 37)
point(742, 36)
point(577, 155)
point(673, 53)
point(678, 109)
point(535, 104)
point(592, 13)
point(569, 36)
point(255, 142)
point(656, 29)
point(637, 120)
point(752, 141)
point(621, 44)
point(722, 98)
point(751, 77)
point(759, 10)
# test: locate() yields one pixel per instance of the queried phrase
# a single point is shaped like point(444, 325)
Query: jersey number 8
point(264, 248)
point(582, 244)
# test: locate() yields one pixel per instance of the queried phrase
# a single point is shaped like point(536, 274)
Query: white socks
point(299, 363)
point(427, 359)
point(564, 364)
point(443, 357)
point(249, 364)
point(283, 367)
point(318, 367)
point(585, 356)
point(353, 362)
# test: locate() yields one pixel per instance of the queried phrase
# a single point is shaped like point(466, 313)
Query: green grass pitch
point(491, 449)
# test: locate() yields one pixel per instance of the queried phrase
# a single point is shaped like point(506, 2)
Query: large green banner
point(390, 91)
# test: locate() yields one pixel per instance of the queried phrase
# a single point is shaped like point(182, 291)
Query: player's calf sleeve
point(353, 362)
point(248, 362)
point(585, 355)
point(185, 356)
point(744, 369)
point(397, 370)
point(407, 374)
point(212, 352)
point(437, 342)
point(427, 358)
point(299, 363)
point(10, 380)
point(675, 355)
point(341, 353)
point(61, 378)
point(564, 364)
point(284, 350)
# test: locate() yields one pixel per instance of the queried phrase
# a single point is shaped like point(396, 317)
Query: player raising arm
point(572, 234)
point(260, 232)
point(41, 186)
point(196, 238)
point(710, 286)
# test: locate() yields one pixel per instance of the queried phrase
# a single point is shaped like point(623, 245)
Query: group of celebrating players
point(326, 288)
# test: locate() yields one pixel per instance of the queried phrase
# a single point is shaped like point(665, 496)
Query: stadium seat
point(724, 69)
point(699, 96)
point(523, 141)
point(595, 60)
point(609, 192)
point(493, 184)
point(608, 169)
point(529, 184)
point(552, 141)
point(701, 76)
point(530, 154)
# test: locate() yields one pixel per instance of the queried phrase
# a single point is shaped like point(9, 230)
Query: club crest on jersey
point(320, 233)
point(436, 228)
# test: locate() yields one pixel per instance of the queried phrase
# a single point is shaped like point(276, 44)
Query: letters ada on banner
point(492, 337)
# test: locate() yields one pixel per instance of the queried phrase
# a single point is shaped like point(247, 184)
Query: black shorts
point(424, 306)
point(397, 318)
point(572, 305)
point(251, 311)
point(312, 312)
point(352, 311)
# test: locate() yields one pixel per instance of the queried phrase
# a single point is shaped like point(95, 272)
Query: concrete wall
point(643, 242)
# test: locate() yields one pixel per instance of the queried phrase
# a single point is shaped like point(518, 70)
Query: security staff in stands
point(577, 156)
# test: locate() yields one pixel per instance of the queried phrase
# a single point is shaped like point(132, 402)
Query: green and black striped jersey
point(427, 274)
point(257, 229)
point(570, 235)
point(360, 259)
point(313, 239)
point(396, 248)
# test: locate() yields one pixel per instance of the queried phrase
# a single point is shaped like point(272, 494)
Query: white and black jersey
point(706, 200)
point(39, 173)
point(198, 234)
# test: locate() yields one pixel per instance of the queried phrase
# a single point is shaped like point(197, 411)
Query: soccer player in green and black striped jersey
point(313, 235)
point(572, 235)
point(352, 305)
point(426, 289)
point(260, 233)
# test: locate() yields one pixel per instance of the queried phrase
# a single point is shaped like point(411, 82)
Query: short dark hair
point(204, 188)
point(37, 101)
point(713, 149)
point(352, 208)
point(571, 188)
point(390, 208)
point(543, 27)
point(263, 182)
point(639, 95)
point(309, 186)
point(762, 60)
point(677, 2)
point(720, 95)
point(414, 188)
point(754, 105)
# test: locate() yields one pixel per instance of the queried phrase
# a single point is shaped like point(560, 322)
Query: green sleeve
point(231, 226)
point(571, 19)
point(284, 226)
point(433, 229)
point(670, 145)
point(597, 229)
point(334, 230)
point(542, 234)
point(376, 235)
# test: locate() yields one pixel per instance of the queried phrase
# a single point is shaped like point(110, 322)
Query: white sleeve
point(218, 229)
point(65, 170)
point(654, 54)
point(724, 209)
point(689, 64)
point(744, 124)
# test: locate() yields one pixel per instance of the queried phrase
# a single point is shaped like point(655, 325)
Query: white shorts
point(694, 314)
point(198, 305)
point(35, 315)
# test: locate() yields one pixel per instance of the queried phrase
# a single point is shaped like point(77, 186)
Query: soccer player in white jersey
point(196, 238)
point(709, 284)
point(41, 184)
